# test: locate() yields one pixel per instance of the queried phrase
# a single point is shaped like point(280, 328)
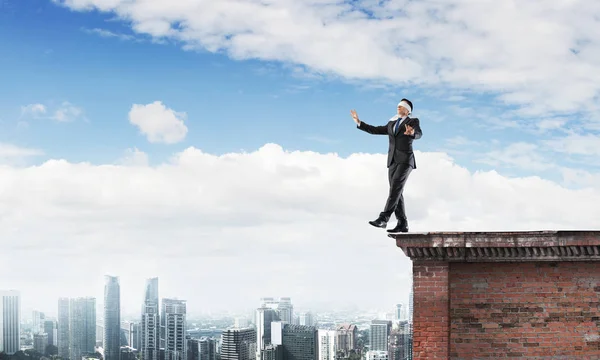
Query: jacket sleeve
point(416, 125)
point(375, 130)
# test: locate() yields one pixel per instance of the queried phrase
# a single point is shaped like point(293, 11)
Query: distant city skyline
point(246, 310)
point(212, 145)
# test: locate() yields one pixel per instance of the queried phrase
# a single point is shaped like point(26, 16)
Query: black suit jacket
point(400, 150)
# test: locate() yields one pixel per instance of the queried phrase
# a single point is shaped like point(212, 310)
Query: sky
point(210, 143)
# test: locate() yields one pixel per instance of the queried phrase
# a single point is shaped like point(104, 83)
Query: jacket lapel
point(401, 125)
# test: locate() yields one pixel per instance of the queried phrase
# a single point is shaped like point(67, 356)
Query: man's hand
point(409, 130)
point(355, 117)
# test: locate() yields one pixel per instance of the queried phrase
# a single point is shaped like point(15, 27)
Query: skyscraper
point(64, 332)
point(272, 352)
point(410, 304)
point(379, 334)
point(286, 310)
point(40, 341)
point(202, 349)
point(82, 326)
point(346, 338)
point(208, 349)
point(38, 322)
point(398, 313)
point(300, 342)
point(264, 317)
point(112, 318)
point(50, 329)
point(150, 324)
point(327, 344)
point(239, 344)
point(307, 319)
point(10, 321)
point(174, 317)
point(134, 336)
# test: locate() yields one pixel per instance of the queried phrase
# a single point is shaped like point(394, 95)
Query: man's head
point(404, 107)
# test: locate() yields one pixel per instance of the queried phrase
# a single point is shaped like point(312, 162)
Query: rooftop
point(553, 245)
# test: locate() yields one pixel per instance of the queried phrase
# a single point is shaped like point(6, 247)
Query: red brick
point(430, 306)
point(540, 320)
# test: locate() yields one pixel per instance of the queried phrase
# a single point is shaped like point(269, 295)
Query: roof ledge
point(517, 246)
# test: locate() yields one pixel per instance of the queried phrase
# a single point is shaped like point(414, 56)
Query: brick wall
point(430, 310)
point(511, 310)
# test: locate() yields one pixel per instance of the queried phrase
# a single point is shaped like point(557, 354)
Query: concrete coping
point(496, 246)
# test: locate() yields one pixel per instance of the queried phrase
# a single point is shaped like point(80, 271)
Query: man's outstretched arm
point(375, 130)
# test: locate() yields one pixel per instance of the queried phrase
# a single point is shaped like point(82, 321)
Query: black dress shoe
point(380, 223)
point(400, 227)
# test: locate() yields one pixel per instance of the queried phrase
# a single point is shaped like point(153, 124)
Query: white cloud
point(65, 112)
point(33, 109)
point(588, 144)
point(543, 58)
point(12, 152)
point(519, 155)
point(159, 123)
point(267, 222)
point(551, 124)
point(134, 157)
point(110, 34)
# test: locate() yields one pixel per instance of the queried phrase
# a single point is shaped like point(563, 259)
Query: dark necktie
point(397, 126)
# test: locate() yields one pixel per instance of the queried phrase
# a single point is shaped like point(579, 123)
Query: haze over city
point(210, 144)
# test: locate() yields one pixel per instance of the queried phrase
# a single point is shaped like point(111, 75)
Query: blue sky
point(53, 55)
point(115, 116)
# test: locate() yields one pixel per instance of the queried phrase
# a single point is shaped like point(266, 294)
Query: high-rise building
point(277, 332)
point(150, 324)
point(112, 318)
point(269, 302)
point(132, 334)
point(327, 344)
point(379, 335)
point(204, 348)
point(283, 306)
point(398, 313)
point(405, 330)
point(238, 344)
point(346, 338)
point(38, 318)
point(64, 331)
point(208, 348)
point(410, 304)
point(264, 317)
point(10, 321)
point(40, 341)
point(82, 326)
point(174, 317)
point(286, 310)
point(396, 349)
point(300, 342)
point(51, 329)
point(272, 352)
point(306, 319)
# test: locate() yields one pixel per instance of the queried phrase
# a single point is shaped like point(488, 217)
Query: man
point(401, 131)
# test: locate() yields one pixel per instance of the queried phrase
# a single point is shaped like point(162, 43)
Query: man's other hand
point(355, 117)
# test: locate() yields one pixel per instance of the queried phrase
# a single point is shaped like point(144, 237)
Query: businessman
point(401, 131)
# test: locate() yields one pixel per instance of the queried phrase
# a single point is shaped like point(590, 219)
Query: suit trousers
point(397, 176)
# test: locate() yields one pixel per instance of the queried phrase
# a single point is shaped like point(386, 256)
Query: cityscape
point(283, 180)
point(274, 330)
